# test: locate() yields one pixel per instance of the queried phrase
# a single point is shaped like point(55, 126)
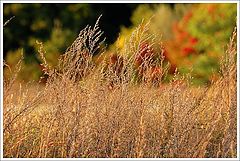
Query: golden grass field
point(88, 111)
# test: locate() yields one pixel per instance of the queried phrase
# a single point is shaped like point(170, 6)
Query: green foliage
point(30, 70)
point(138, 15)
point(13, 57)
point(212, 24)
point(53, 24)
point(58, 42)
point(194, 35)
point(56, 25)
point(162, 16)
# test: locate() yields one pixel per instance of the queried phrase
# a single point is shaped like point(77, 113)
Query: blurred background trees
point(56, 25)
point(194, 36)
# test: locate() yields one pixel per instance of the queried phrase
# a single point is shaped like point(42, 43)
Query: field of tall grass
point(119, 109)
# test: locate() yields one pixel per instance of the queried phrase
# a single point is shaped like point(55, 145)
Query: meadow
point(124, 107)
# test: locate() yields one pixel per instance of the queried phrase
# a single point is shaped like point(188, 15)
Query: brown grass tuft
point(76, 114)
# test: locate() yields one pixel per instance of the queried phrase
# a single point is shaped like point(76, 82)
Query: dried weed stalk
point(76, 115)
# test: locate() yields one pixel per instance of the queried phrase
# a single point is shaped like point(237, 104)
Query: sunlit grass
point(92, 111)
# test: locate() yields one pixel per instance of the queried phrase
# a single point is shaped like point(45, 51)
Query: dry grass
point(76, 114)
